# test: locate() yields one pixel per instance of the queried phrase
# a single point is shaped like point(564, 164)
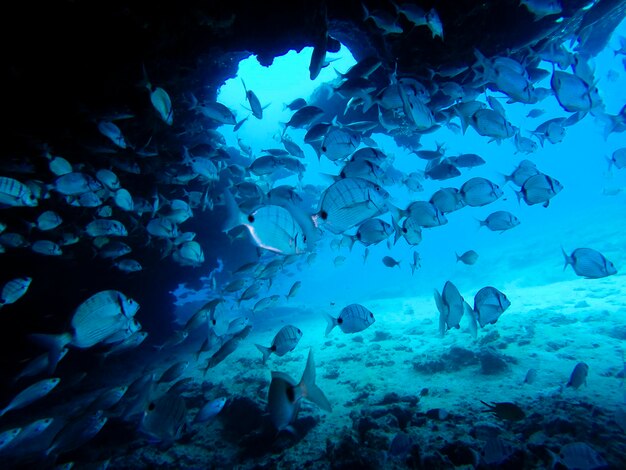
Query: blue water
point(374, 378)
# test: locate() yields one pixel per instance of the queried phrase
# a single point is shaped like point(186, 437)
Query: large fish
point(105, 317)
point(273, 228)
point(285, 396)
point(589, 263)
point(539, 189)
point(16, 194)
point(489, 304)
point(350, 201)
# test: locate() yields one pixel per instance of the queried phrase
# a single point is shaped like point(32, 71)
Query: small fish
point(542, 8)
point(500, 221)
point(352, 319)
point(14, 290)
point(285, 341)
point(505, 410)
point(535, 113)
point(618, 159)
point(253, 101)
point(31, 394)
point(416, 262)
point(8, 436)
point(469, 257)
point(210, 410)
point(578, 376)
point(48, 220)
point(339, 261)
point(46, 247)
point(162, 104)
point(390, 262)
point(128, 265)
point(284, 396)
point(479, 191)
point(113, 133)
point(176, 338)
point(296, 104)
point(531, 376)
point(173, 372)
point(589, 263)
point(304, 117)
point(294, 289)
point(227, 348)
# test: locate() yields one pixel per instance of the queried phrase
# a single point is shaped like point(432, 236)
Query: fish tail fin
point(233, 214)
point(609, 161)
point(54, 344)
point(520, 196)
point(568, 258)
point(331, 323)
point(458, 258)
point(481, 223)
point(311, 391)
point(265, 351)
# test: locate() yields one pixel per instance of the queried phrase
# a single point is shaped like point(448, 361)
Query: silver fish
point(16, 194)
point(469, 257)
point(539, 189)
point(14, 290)
point(113, 133)
point(589, 263)
point(352, 319)
point(285, 341)
point(500, 221)
point(273, 228)
point(106, 228)
point(46, 247)
point(253, 101)
point(284, 396)
point(30, 394)
point(210, 410)
point(350, 201)
point(578, 376)
point(163, 105)
point(479, 191)
point(165, 418)
point(489, 304)
point(450, 304)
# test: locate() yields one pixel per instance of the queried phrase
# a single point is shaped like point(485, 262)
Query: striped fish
point(350, 201)
point(352, 319)
point(16, 194)
point(285, 340)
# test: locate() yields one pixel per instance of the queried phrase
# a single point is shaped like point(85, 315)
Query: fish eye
point(151, 406)
point(371, 315)
point(250, 218)
point(324, 215)
point(377, 188)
